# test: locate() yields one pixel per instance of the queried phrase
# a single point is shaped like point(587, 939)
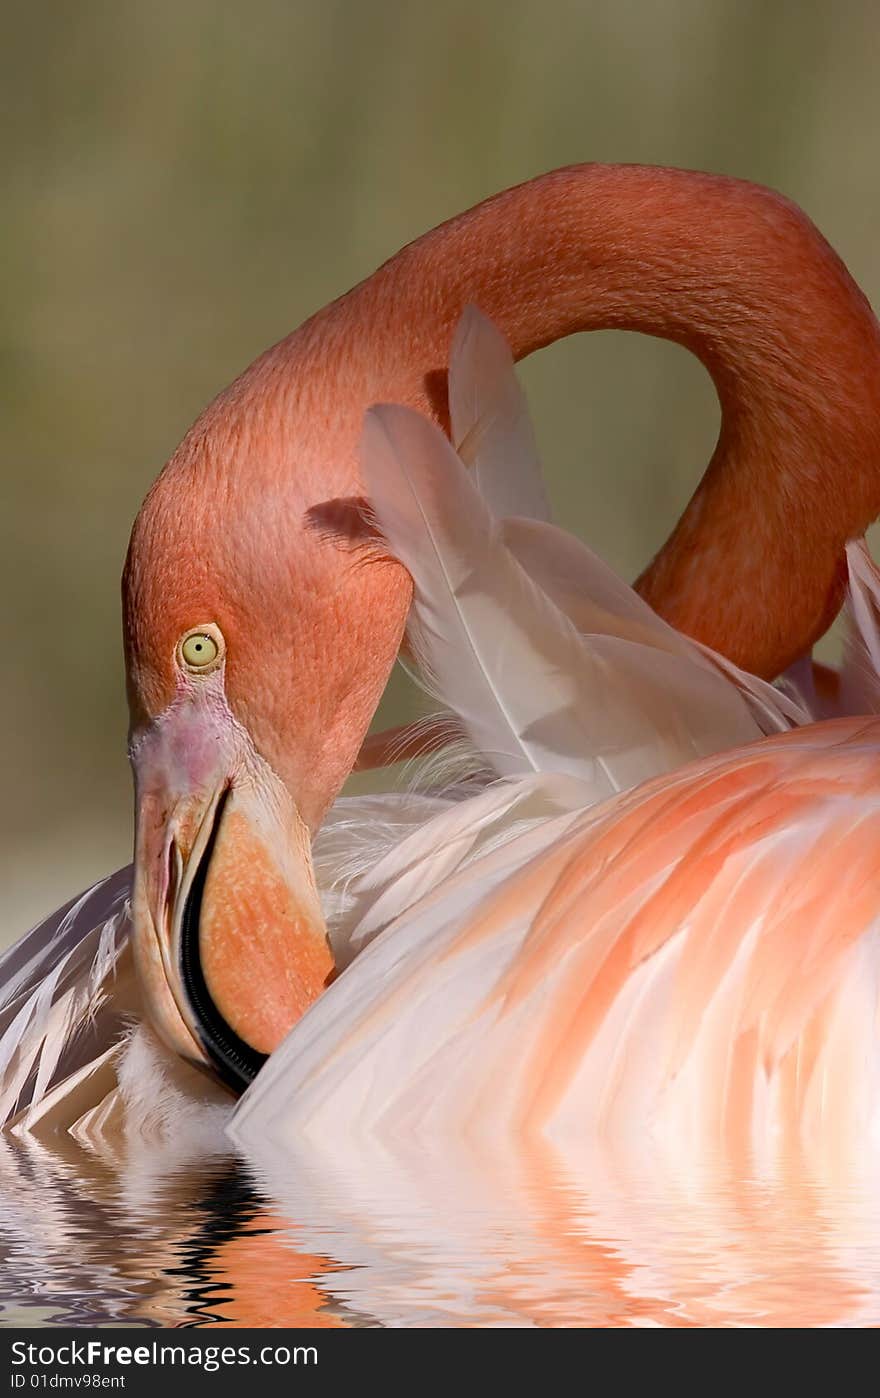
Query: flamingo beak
point(228, 935)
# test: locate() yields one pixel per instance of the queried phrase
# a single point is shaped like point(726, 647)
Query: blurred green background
point(186, 180)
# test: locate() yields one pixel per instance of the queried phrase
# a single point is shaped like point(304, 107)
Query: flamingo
point(650, 898)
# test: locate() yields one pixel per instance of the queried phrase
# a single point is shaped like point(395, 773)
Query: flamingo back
point(697, 959)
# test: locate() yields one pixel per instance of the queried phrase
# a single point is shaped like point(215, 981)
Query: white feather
point(860, 672)
point(490, 421)
point(23, 965)
point(165, 1097)
point(447, 843)
point(531, 691)
point(357, 835)
point(599, 602)
point(858, 691)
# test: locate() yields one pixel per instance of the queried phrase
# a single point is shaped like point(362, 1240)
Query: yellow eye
point(201, 650)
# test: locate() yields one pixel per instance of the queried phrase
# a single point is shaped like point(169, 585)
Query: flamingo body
point(668, 962)
point(615, 919)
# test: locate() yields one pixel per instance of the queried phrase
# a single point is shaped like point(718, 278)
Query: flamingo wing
point(66, 989)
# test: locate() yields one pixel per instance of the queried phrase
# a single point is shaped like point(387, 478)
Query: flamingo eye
point(201, 650)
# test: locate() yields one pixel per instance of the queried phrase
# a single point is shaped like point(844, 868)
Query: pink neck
point(732, 271)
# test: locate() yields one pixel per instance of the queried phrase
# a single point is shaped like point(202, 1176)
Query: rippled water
point(431, 1237)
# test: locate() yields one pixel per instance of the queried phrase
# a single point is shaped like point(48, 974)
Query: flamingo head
point(261, 622)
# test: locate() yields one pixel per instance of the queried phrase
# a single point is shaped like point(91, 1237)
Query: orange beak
point(228, 935)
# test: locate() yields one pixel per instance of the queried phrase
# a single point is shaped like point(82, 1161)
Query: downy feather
point(448, 842)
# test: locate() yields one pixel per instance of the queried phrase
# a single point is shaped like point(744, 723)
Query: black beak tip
point(234, 1061)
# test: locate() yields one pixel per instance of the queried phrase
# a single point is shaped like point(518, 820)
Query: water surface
point(418, 1236)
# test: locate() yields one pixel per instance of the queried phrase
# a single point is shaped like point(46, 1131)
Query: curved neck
point(739, 276)
point(732, 271)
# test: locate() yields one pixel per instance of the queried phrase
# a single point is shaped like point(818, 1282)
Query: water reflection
point(412, 1236)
